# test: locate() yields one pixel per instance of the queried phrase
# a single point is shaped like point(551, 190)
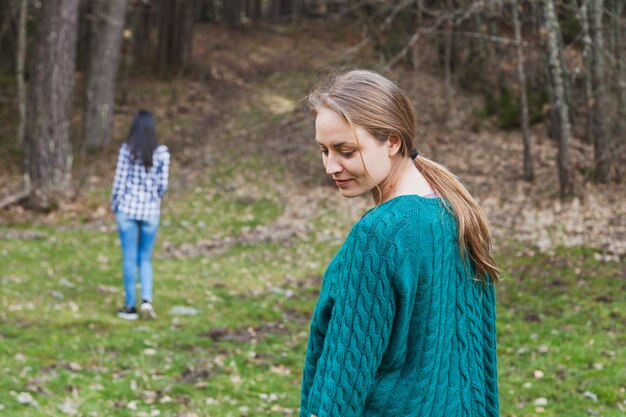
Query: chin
point(352, 193)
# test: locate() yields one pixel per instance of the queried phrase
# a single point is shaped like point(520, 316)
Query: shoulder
point(384, 224)
point(402, 220)
point(162, 153)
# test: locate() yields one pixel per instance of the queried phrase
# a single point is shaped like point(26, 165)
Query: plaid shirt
point(137, 192)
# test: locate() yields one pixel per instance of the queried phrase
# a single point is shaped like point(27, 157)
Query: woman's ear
point(394, 144)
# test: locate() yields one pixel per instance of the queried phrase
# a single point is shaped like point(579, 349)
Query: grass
point(561, 323)
point(561, 316)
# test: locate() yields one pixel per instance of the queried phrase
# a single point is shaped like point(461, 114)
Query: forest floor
point(248, 225)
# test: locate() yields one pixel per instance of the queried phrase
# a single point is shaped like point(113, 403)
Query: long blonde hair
point(369, 100)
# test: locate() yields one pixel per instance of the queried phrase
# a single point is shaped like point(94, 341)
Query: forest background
point(524, 100)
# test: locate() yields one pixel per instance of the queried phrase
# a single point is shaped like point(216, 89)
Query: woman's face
point(346, 160)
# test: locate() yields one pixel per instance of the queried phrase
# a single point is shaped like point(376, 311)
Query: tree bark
point(175, 34)
point(85, 17)
point(143, 45)
point(584, 22)
point(107, 29)
point(620, 57)
point(495, 10)
point(9, 12)
point(447, 62)
point(521, 74)
point(19, 73)
point(419, 9)
point(601, 140)
point(275, 10)
point(482, 53)
point(47, 151)
point(232, 13)
point(254, 10)
point(559, 102)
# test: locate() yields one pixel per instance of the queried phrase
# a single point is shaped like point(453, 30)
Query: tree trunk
point(528, 162)
point(19, 73)
point(482, 53)
point(598, 119)
point(584, 22)
point(254, 10)
point(493, 20)
point(9, 11)
point(85, 18)
point(107, 28)
point(447, 63)
point(48, 155)
point(175, 34)
point(143, 45)
point(419, 9)
point(279, 9)
point(619, 142)
point(559, 103)
point(232, 13)
point(415, 58)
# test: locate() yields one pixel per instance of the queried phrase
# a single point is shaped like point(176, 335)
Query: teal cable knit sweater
point(401, 327)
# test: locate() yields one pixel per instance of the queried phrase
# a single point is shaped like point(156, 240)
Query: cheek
point(379, 167)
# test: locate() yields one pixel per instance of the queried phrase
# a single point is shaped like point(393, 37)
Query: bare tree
point(521, 75)
point(598, 109)
point(9, 11)
point(143, 15)
point(619, 33)
point(419, 22)
point(107, 26)
point(254, 9)
point(559, 103)
point(494, 12)
point(19, 73)
point(447, 63)
point(48, 155)
point(274, 10)
point(482, 53)
point(587, 45)
point(232, 13)
point(175, 33)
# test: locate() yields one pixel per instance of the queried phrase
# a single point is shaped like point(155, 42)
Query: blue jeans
point(137, 239)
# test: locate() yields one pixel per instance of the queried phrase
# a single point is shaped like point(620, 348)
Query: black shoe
point(147, 311)
point(128, 313)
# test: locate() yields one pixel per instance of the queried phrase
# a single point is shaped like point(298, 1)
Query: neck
point(404, 179)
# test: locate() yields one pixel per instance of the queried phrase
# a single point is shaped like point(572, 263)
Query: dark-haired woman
point(140, 182)
point(405, 321)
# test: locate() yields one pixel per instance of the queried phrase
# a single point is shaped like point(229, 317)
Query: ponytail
point(474, 236)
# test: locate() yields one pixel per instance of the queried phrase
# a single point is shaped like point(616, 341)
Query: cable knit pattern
point(401, 327)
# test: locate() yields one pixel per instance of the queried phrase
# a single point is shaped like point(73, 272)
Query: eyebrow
point(337, 145)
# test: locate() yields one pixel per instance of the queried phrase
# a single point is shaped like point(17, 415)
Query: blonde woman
point(405, 321)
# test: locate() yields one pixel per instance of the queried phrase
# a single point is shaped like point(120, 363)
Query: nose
point(332, 165)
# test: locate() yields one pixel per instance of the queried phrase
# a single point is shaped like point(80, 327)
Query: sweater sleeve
point(359, 329)
point(121, 172)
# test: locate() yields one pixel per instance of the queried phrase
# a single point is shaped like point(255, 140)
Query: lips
point(342, 182)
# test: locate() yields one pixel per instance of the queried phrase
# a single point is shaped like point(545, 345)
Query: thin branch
point(386, 23)
point(457, 17)
point(494, 39)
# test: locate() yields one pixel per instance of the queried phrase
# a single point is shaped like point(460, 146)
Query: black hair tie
point(414, 153)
